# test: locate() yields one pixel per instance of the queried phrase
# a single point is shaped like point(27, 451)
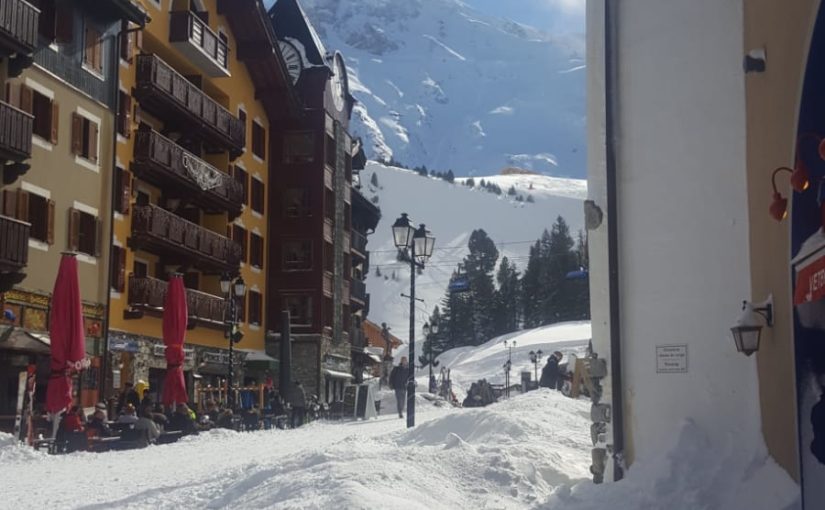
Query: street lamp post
point(420, 244)
point(509, 346)
point(232, 291)
point(535, 357)
point(430, 330)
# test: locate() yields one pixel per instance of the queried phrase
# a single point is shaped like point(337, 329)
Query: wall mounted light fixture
point(800, 176)
point(748, 328)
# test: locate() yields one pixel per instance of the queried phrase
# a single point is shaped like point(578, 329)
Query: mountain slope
point(441, 85)
point(452, 212)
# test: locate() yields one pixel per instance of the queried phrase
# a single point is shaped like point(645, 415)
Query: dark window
point(243, 177)
point(255, 307)
point(299, 147)
point(38, 217)
point(256, 250)
point(257, 196)
point(191, 280)
point(140, 269)
point(32, 208)
point(85, 233)
point(141, 198)
point(297, 255)
point(124, 114)
point(84, 137)
point(43, 109)
point(300, 310)
point(242, 117)
point(297, 203)
point(331, 151)
point(123, 187)
point(240, 235)
point(258, 140)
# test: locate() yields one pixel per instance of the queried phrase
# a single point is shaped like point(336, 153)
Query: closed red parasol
point(68, 341)
point(175, 316)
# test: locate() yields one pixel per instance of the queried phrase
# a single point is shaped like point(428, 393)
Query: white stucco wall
point(682, 213)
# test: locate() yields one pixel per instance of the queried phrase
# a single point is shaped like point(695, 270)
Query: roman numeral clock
point(292, 59)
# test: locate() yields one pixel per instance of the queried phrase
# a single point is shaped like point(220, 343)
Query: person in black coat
point(128, 396)
point(398, 382)
point(550, 372)
point(182, 421)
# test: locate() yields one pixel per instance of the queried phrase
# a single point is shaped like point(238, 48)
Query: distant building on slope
point(680, 230)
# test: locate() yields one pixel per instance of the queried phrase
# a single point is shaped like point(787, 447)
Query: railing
point(170, 161)
point(346, 243)
point(14, 250)
point(157, 81)
point(186, 27)
point(15, 132)
point(359, 242)
point(359, 290)
point(165, 231)
point(18, 23)
point(150, 293)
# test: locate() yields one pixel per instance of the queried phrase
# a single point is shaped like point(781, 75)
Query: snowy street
point(512, 454)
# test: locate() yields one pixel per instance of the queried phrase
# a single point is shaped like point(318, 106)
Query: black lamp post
point(420, 244)
point(232, 291)
point(509, 346)
point(535, 357)
point(430, 330)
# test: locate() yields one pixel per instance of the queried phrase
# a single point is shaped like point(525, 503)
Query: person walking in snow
point(297, 398)
point(398, 382)
point(550, 372)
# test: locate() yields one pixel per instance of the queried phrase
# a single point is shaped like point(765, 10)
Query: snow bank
point(692, 474)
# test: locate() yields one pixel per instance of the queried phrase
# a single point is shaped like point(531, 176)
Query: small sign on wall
point(671, 359)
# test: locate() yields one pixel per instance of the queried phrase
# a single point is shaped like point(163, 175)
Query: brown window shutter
point(74, 230)
point(98, 237)
point(22, 205)
point(125, 190)
point(127, 117)
point(26, 99)
point(10, 203)
point(88, 58)
point(50, 221)
point(98, 52)
point(64, 31)
point(77, 134)
point(55, 121)
point(93, 132)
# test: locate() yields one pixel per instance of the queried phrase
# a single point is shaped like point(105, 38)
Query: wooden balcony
point(358, 293)
point(149, 294)
point(192, 37)
point(14, 250)
point(359, 244)
point(184, 107)
point(183, 175)
point(18, 27)
point(15, 133)
point(180, 241)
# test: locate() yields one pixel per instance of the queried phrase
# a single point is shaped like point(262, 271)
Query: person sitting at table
point(181, 420)
point(225, 420)
point(97, 424)
point(72, 421)
point(212, 411)
point(146, 423)
point(129, 415)
point(155, 413)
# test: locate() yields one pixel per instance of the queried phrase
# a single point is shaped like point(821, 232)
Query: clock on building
point(339, 88)
point(292, 59)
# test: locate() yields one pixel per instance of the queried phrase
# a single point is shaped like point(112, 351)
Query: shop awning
point(259, 361)
point(334, 374)
point(18, 339)
point(809, 266)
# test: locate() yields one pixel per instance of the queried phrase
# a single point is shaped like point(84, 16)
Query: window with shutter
point(39, 212)
point(258, 196)
point(258, 140)
point(50, 222)
point(93, 49)
point(85, 134)
point(123, 183)
point(77, 134)
point(23, 205)
point(255, 307)
point(256, 250)
point(26, 99)
point(41, 107)
point(243, 177)
point(10, 203)
point(126, 38)
point(240, 236)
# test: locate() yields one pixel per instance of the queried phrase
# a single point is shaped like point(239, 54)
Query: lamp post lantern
point(535, 357)
point(420, 244)
point(233, 290)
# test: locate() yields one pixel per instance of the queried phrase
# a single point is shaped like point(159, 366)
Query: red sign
point(810, 282)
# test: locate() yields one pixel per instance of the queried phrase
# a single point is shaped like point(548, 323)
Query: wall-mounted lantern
point(748, 328)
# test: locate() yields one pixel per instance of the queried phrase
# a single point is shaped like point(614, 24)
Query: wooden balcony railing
point(167, 94)
point(14, 248)
point(18, 27)
point(149, 294)
point(199, 43)
point(160, 231)
point(163, 162)
point(15, 133)
point(359, 244)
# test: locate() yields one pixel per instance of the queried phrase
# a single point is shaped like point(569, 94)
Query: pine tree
point(531, 288)
point(507, 302)
point(377, 270)
point(480, 263)
point(470, 182)
point(449, 176)
point(511, 191)
point(530, 199)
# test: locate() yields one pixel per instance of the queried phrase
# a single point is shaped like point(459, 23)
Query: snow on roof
point(312, 33)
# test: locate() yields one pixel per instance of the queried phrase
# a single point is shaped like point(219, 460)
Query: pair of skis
point(26, 383)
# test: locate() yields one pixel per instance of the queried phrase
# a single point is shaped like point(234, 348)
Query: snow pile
point(452, 212)
point(12, 450)
point(509, 455)
point(693, 474)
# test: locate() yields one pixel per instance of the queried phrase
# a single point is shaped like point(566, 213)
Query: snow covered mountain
point(452, 212)
point(441, 85)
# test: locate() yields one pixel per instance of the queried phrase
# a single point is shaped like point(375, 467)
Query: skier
point(550, 372)
point(398, 382)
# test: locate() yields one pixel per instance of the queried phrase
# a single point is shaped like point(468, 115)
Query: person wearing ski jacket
point(297, 398)
point(398, 382)
point(550, 372)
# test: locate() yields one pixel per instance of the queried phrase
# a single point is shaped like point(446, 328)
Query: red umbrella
point(68, 341)
point(175, 316)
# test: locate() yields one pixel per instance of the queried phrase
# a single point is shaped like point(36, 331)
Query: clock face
point(292, 59)
point(338, 87)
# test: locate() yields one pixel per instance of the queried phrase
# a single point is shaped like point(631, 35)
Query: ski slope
point(452, 212)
